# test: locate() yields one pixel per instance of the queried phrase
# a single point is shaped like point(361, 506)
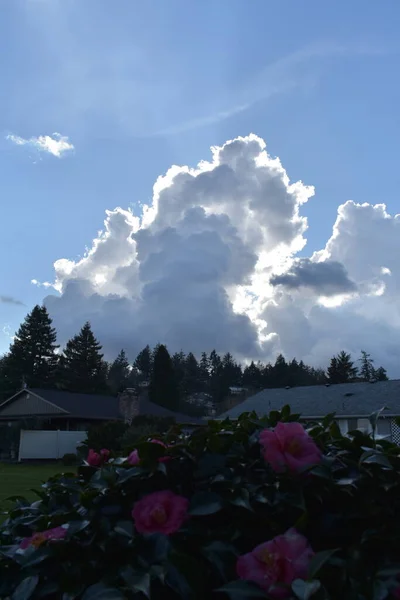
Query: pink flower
point(94, 459)
point(160, 512)
point(162, 458)
point(39, 538)
point(396, 593)
point(274, 565)
point(133, 458)
point(289, 446)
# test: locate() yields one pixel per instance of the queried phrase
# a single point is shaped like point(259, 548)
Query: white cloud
point(57, 144)
point(196, 270)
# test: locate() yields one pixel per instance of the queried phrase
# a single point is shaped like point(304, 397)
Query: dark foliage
point(82, 368)
point(31, 359)
point(347, 508)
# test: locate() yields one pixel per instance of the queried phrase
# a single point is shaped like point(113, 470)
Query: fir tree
point(119, 373)
point(32, 358)
point(367, 371)
point(191, 379)
point(341, 368)
point(82, 368)
point(380, 374)
point(204, 372)
point(163, 388)
point(143, 364)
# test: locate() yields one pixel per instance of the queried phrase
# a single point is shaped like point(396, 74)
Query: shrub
point(240, 510)
point(106, 435)
point(144, 426)
point(69, 459)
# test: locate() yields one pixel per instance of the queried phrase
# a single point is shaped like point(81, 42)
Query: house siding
point(29, 405)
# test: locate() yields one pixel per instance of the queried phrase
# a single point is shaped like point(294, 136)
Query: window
point(384, 427)
point(352, 424)
point(364, 425)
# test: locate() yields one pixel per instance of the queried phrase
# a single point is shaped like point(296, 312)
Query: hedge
point(257, 508)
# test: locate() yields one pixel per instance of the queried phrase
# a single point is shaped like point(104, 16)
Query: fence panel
point(50, 445)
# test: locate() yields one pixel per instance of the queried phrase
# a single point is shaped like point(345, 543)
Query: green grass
point(18, 480)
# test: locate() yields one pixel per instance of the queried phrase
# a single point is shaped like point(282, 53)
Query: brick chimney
point(129, 404)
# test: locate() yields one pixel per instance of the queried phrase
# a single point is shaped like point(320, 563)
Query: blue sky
point(138, 86)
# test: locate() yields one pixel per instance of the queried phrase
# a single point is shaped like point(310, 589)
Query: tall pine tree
point(341, 368)
point(82, 366)
point(163, 388)
point(32, 358)
point(143, 364)
point(118, 373)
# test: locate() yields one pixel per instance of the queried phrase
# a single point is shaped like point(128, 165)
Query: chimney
point(129, 404)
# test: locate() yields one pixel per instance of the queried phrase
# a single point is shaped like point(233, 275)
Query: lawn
point(18, 480)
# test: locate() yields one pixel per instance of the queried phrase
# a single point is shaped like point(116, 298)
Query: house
point(352, 404)
point(54, 422)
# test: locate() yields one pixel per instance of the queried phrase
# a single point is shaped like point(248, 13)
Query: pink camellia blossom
point(274, 565)
point(162, 458)
point(39, 538)
point(133, 458)
point(160, 512)
point(290, 447)
point(95, 459)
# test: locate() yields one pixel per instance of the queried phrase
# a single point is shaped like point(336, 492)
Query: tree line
point(35, 359)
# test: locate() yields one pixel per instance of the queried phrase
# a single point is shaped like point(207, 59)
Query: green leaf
point(25, 588)
point(242, 590)
point(205, 503)
point(318, 560)
point(125, 475)
point(138, 582)
point(99, 591)
point(374, 457)
point(305, 589)
point(242, 499)
point(124, 528)
point(222, 557)
point(373, 418)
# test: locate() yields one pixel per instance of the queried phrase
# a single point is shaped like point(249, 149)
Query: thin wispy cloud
point(278, 77)
point(57, 144)
point(11, 300)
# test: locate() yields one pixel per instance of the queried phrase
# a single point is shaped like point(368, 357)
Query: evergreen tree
point(341, 368)
point(163, 388)
point(191, 379)
point(119, 373)
point(252, 376)
point(178, 361)
point(143, 364)
point(367, 371)
point(280, 372)
point(32, 357)
point(82, 368)
point(204, 372)
point(380, 374)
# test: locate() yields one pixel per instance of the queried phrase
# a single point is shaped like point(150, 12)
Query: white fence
point(48, 444)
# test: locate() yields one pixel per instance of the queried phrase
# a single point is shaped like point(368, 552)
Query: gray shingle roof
point(345, 399)
point(83, 406)
point(96, 406)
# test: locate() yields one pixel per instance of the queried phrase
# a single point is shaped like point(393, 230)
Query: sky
point(215, 174)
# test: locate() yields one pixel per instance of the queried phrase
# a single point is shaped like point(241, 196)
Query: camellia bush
point(254, 508)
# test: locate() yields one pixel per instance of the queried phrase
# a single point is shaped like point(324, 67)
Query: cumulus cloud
point(212, 263)
point(57, 144)
point(328, 278)
point(11, 300)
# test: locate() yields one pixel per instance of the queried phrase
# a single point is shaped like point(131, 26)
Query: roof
point(84, 406)
point(344, 399)
point(97, 406)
